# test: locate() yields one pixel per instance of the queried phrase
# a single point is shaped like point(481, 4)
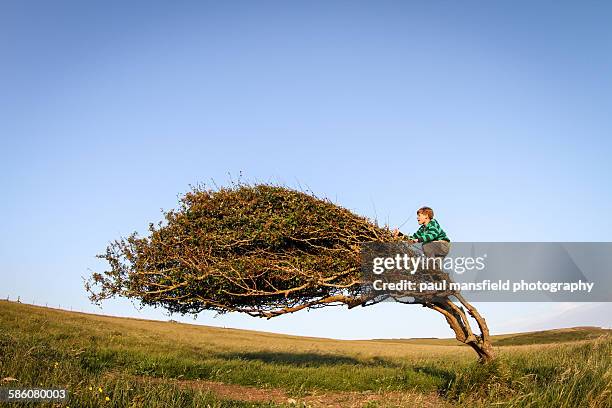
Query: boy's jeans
point(435, 249)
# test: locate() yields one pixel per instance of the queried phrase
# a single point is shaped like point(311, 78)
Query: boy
point(435, 242)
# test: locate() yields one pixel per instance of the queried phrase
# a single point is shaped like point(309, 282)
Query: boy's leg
point(444, 248)
point(437, 250)
point(417, 247)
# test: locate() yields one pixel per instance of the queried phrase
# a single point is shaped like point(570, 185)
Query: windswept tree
point(263, 250)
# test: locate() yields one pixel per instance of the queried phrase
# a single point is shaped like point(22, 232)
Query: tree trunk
point(457, 319)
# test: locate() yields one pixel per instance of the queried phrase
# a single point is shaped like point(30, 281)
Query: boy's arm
point(404, 237)
point(398, 233)
point(431, 231)
point(417, 236)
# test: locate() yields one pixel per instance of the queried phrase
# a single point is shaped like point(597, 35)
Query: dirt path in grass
point(314, 399)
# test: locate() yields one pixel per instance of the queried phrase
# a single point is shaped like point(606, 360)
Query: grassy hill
point(555, 336)
point(108, 361)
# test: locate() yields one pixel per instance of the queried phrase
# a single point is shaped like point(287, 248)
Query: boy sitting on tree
point(433, 238)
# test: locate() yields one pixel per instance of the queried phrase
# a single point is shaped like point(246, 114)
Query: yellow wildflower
point(108, 399)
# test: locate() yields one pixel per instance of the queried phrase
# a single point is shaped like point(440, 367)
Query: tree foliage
point(253, 249)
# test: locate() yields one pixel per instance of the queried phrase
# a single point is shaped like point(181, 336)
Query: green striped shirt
point(430, 232)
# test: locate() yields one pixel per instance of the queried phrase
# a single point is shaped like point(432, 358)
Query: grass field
point(121, 362)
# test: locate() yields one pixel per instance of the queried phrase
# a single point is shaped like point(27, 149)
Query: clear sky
point(496, 114)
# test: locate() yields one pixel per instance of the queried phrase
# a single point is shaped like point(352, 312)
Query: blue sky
point(496, 115)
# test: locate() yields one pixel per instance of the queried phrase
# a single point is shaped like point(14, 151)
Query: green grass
point(561, 376)
point(519, 339)
point(551, 336)
point(134, 362)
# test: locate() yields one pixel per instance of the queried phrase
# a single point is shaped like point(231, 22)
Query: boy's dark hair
point(427, 211)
